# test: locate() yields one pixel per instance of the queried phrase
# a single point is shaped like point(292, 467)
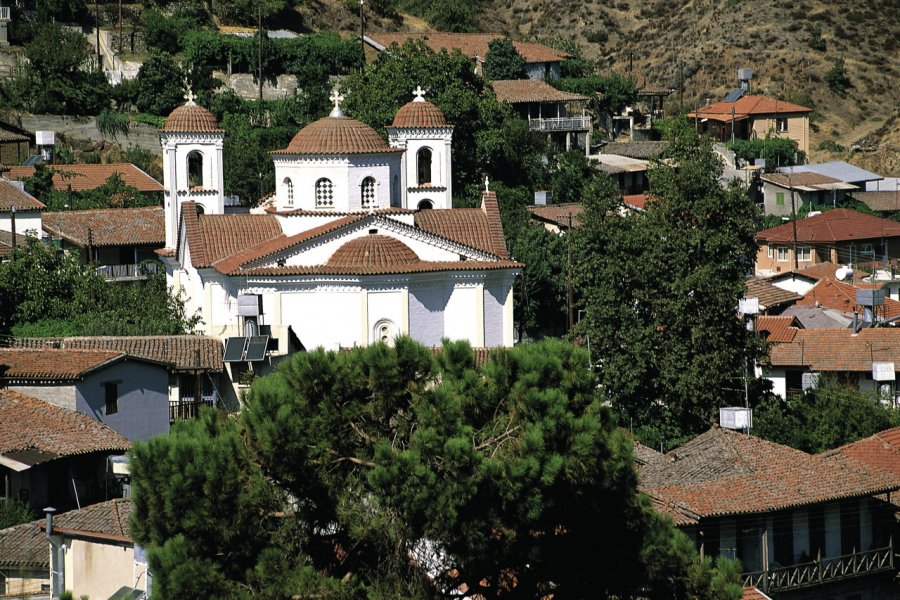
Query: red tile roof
point(6, 242)
point(778, 329)
point(52, 365)
point(795, 180)
point(24, 546)
point(11, 196)
point(747, 106)
point(837, 295)
point(558, 214)
point(81, 177)
point(836, 225)
point(491, 208)
point(214, 237)
point(522, 91)
point(769, 295)
point(421, 266)
point(108, 226)
point(838, 350)
point(881, 451)
point(473, 45)
point(419, 115)
point(191, 118)
point(184, 352)
point(52, 430)
point(880, 200)
point(108, 519)
point(638, 201)
point(337, 135)
point(723, 472)
point(478, 228)
point(752, 593)
point(373, 252)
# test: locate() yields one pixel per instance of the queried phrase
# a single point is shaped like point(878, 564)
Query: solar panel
point(234, 349)
point(734, 95)
point(256, 348)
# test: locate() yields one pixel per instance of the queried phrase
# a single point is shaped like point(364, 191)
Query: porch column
point(568, 140)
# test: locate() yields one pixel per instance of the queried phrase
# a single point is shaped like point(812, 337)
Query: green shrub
point(14, 512)
point(831, 146)
point(815, 39)
point(837, 79)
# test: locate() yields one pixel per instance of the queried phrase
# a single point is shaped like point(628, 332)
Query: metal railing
point(185, 409)
point(823, 571)
point(578, 123)
point(4, 13)
point(133, 271)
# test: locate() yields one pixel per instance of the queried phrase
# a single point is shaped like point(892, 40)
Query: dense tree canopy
point(386, 473)
point(503, 61)
point(661, 290)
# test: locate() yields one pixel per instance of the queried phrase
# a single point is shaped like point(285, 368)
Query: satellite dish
point(843, 273)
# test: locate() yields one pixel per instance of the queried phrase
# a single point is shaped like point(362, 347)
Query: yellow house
point(755, 117)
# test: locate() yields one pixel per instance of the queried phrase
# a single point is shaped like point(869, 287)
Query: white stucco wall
point(798, 285)
point(426, 312)
point(439, 141)
point(779, 381)
point(176, 148)
point(465, 302)
point(98, 570)
point(28, 222)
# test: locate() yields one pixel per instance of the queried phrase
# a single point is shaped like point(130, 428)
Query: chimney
point(50, 511)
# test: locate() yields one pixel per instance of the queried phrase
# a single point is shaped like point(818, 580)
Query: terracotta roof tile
point(644, 150)
point(778, 329)
point(746, 106)
point(337, 135)
point(51, 429)
point(11, 136)
point(880, 201)
point(11, 196)
point(182, 351)
point(752, 593)
point(558, 214)
point(421, 266)
point(838, 350)
point(105, 519)
point(638, 201)
point(795, 180)
point(24, 546)
point(881, 451)
point(467, 226)
point(837, 295)
point(836, 225)
point(419, 115)
point(108, 226)
point(373, 252)
point(491, 208)
point(769, 295)
point(81, 177)
point(214, 237)
point(52, 365)
point(521, 91)
point(191, 118)
point(723, 472)
point(473, 45)
point(6, 242)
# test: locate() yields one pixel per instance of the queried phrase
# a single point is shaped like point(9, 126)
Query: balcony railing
point(4, 13)
point(824, 571)
point(189, 408)
point(128, 272)
point(579, 123)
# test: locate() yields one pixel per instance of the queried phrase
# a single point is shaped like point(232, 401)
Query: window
point(804, 253)
point(111, 396)
point(426, 205)
point(770, 251)
point(423, 162)
point(324, 193)
point(867, 250)
point(781, 125)
point(395, 192)
point(195, 169)
point(289, 186)
point(779, 198)
point(385, 332)
point(781, 253)
point(368, 192)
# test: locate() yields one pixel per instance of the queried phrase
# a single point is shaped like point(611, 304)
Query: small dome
point(419, 114)
point(337, 135)
point(191, 118)
point(373, 251)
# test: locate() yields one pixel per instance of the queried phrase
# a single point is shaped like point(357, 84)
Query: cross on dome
point(419, 94)
point(337, 98)
point(189, 96)
point(487, 184)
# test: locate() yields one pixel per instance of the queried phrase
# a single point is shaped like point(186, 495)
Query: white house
point(19, 211)
point(360, 243)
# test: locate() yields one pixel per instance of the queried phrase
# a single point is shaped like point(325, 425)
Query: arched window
point(195, 168)
point(426, 205)
point(324, 193)
point(368, 192)
point(423, 162)
point(290, 190)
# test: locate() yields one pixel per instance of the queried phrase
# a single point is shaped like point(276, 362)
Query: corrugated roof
point(521, 91)
point(108, 226)
point(81, 177)
point(51, 429)
point(473, 45)
point(836, 225)
point(838, 350)
point(837, 169)
point(723, 472)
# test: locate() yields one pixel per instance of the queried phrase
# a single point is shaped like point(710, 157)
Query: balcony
point(4, 13)
point(824, 571)
point(577, 123)
point(188, 408)
point(132, 272)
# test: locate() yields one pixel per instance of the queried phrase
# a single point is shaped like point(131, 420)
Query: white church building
point(358, 244)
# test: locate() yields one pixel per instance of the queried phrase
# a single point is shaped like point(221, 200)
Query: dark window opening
point(423, 160)
point(195, 169)
point(426, 205)
point(111, 397)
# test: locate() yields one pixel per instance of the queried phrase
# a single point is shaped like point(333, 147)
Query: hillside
point(710, 39)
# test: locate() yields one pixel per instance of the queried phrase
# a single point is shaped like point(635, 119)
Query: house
point(840, 235)
point(846, 298)
point(629, 174)
point(838, 170)
point(24, 560)
point(92, 553)
point(881, 451)
point(752, 117)
point(194, 363)
point(643, 150)
point(887, 203)
point(15, 144)
point(866, 359)
point(557, 218)
point(59, 458)
point(359, 244)
point(127, 393)
point(121, 242)
point(20, 212)
point(772, 299)
point(778, 328)
point(541, 61)
point(561, 115)
point(800, 524)
point(8, 242)
point(785, 193)
point(85, 177)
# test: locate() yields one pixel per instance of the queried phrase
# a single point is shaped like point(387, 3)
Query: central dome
point(191, 118)
point(373, 251)
point(337, 135)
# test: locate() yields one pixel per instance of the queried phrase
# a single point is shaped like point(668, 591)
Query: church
point(359, 243)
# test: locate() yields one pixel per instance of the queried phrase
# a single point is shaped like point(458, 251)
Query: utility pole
point(794, 223)
point(362, 35)
point(680, 86)
point(259, 57)
point(12, 224)
point(569, 294)
point(120, 29)
point(97, 27)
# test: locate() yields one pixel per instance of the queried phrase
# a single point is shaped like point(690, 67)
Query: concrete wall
point(495, 293)
point(27, 222)
point(60, 395)
point(246, 86)
point(98, 570)
point(143, 405)
point(139, 134)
